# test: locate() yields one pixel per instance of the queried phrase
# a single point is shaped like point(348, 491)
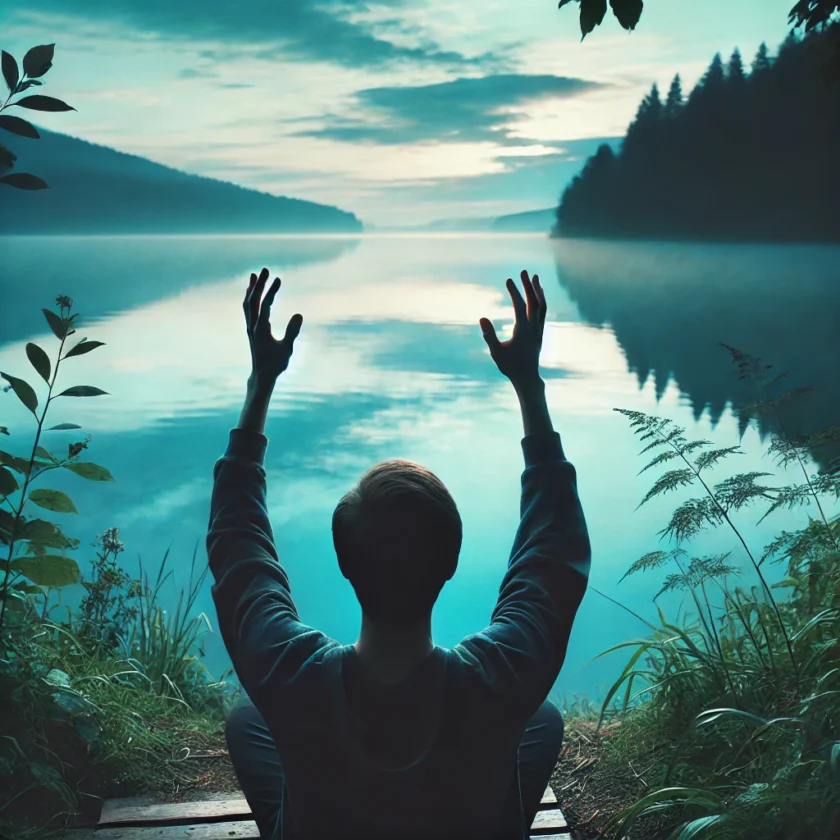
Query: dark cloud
point(465, 109)
point(281, 30)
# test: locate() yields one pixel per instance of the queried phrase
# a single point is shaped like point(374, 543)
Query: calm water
point(391, 363)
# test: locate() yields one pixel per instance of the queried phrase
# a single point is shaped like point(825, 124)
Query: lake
point(391, 363)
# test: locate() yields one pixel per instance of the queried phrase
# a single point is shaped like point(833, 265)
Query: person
point(395, 737)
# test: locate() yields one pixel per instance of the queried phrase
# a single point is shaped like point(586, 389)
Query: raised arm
point(258, 619)
point(523, 648)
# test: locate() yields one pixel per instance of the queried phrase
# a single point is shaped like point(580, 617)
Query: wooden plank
point(240, 830)
point(548, 798)
point(128, 812)
point(549, 820)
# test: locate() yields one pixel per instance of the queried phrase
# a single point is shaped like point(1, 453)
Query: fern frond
point(692, 445)
point(667, 482)
point(792, 496)
point(653, 560)
point(659, 459)
point(690, 518)
point(741, 490)
point(710, 458)
point(785, 450)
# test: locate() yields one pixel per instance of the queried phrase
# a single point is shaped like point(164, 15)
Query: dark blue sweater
point(431, 757)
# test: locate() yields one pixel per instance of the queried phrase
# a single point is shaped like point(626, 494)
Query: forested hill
point(94, 189)
point(749, 155)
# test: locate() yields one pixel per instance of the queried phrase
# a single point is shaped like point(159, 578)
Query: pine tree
point(761, 62)
point(674, 102)
point(714, 77)
point(650, 110)
point(735, 70)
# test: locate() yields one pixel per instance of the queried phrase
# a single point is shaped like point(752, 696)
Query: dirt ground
point(590, 795)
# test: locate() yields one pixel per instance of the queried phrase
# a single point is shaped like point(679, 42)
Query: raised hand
point(269, 357)
point(518, 357)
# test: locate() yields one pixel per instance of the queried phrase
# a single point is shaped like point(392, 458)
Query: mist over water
point(391, 363)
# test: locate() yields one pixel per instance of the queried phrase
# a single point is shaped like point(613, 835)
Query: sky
point(401, 111)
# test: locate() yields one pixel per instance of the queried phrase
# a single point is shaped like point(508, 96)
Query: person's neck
point(391, 654)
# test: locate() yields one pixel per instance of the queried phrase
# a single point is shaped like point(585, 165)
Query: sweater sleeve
point(258, 620)
point(522, 650)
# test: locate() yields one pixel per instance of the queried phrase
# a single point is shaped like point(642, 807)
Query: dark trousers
point(260, 773)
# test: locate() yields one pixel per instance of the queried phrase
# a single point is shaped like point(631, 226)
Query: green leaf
point(24, 391)
point(72, 703)
point(88, 728)
point(82, 391)
point(48, 534)
point(45, 453)
point(90, 471)
point(62, 427)
point(58, 678)
point(628, 12)
point(83, 346)
point(7, 158)
point(58, 326)
point(53, 500)
point(24, 181)
point(10, 71)
point(8, 485)
point(48, 569)
point(591, 14)
point(39, 102)
point(40, 360)
point(20, 465)
point(7, 524)
point(38, 60)
point(45, 775)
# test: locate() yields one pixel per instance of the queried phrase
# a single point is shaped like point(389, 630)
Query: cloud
point(287, 30)
point(461, 110)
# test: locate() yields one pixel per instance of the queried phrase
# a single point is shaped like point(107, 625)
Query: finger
point(246, 304)
point(256, 296)
point(530, 297)
point(293, 328)
point(489, 333)
point(518, 301)
point(265, 309)
point(543, 308)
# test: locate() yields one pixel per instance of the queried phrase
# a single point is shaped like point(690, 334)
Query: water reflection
point(390, 363)
point(670, 304)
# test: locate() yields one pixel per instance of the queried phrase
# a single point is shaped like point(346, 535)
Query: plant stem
point(725, 515)
point(4, 593)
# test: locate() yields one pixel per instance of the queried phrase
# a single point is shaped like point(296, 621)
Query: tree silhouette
point(747, 157)
point(735, 69)
point(761, 62)
point(674, 102)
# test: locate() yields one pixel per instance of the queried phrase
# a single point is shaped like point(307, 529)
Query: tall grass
point(742, 694)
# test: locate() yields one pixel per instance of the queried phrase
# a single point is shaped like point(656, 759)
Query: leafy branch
point(36, 63)
point(38, 565)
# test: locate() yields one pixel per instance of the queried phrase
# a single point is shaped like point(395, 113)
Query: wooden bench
point(229, 818)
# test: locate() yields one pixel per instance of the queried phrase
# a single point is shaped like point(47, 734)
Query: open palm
point(269, 357)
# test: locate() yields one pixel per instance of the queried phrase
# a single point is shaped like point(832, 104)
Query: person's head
point(397, 535)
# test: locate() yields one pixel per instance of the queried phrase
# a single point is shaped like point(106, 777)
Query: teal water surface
point(391, 363)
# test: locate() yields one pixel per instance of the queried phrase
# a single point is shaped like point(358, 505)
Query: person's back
point(333, 744)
